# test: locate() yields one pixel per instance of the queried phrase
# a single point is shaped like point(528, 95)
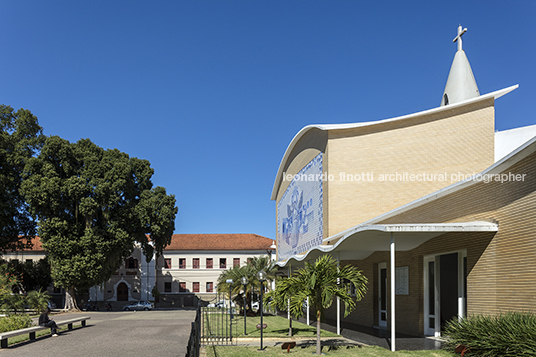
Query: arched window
point(131, 263)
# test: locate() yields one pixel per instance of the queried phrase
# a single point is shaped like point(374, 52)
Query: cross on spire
point(459, 37)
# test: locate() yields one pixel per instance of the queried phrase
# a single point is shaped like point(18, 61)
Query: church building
point(436, 208)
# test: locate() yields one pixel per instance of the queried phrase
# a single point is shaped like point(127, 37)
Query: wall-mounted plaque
point(402, 280)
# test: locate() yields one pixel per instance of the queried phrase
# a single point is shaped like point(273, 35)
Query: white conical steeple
point(461, 84)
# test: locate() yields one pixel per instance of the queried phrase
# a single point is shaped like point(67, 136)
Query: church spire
point(461, 84)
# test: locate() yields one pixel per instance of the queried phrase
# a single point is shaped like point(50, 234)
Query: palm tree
point(38, 300)
point(279, 298)
point(250, 271)
point(235, 274)
point(321, 282)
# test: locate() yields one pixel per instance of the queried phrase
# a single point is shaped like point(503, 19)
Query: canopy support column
point(393, 287)
point(288, 300)
point(338, 302)
point(308, 311)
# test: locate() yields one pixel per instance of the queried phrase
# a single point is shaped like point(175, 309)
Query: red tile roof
point(219, 242)
point(36, 245)
point(241, 241)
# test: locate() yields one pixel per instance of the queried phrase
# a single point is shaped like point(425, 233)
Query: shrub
point(38, 300)
point(13, 303)
point(509, 334)
point(14, 322)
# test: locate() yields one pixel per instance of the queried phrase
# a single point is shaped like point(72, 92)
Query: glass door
point(382, 295)
point(429, 296)
point(444, 290)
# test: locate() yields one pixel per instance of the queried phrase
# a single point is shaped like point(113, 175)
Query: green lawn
point(277, 326)
point(373, 351)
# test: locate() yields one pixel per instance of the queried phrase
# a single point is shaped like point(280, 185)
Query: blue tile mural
point(299, 211)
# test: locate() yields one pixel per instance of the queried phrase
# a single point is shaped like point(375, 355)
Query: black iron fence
point(214, 324)
point(218, 324)
point(194, 343)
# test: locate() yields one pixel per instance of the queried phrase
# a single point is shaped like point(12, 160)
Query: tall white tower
point(461, 84)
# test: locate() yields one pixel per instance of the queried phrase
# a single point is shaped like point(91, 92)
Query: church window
point(131, 263)
point(167, 286)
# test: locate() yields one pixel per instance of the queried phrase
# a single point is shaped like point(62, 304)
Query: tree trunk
point(290, 327)
point(318, 346)
point(70, 299)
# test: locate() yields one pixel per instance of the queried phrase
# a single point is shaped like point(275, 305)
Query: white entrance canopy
point(361, 241)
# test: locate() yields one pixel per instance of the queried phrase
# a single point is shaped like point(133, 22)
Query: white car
point(139, 305)
point(222, 303)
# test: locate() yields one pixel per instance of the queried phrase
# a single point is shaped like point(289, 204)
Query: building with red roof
point(187, 271)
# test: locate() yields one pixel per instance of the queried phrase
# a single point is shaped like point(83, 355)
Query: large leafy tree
point(93, 206)
point(321, 282)
point(21, 138)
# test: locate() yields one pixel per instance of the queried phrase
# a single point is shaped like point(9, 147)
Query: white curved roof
point(507, 140)
point(327, 127)
point(361, 241)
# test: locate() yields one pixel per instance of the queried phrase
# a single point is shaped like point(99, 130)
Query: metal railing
point(194, 343)
point(218, 325)
point(214, 325)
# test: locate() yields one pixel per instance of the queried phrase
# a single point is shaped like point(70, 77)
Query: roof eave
point(414, 229)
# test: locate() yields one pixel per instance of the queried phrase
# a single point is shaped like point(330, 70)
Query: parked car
point(221, 303)
point(139, 305)
point(255, 305)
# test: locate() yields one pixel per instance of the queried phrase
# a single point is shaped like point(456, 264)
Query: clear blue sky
point(212, 92)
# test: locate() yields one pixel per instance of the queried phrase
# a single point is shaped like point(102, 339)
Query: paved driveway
point(142, 333)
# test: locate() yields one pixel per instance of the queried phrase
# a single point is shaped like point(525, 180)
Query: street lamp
point(261, 276)
point(230, 282)
point(244, 282)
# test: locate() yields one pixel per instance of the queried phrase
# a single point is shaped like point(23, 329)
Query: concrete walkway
point(109, 334)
